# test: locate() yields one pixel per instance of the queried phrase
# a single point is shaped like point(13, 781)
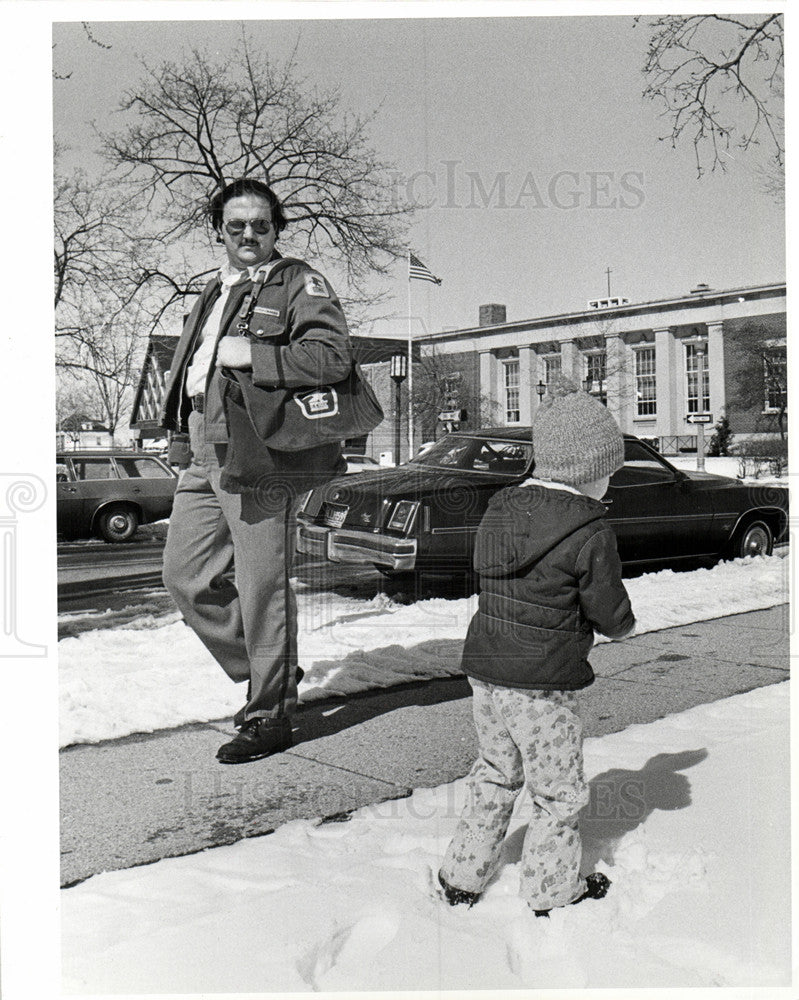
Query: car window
point(93, 468)
point(141, 468)
point(641, 468)
point(502, 457)
point(478, 455)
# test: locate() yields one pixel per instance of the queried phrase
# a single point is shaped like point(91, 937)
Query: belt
point(198, 402)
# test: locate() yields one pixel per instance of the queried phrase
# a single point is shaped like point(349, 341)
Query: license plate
point(334, 514)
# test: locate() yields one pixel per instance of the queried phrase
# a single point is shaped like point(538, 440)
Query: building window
point(775, 379)
point(552, 368)
point(696, 371)
point(512, 414)
point(451, 385)
point(645, 391)
point(596, 375)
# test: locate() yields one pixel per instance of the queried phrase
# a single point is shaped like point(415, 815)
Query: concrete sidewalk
point(137, 799)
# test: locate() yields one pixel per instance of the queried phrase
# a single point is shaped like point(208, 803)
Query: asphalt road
point(96, 577)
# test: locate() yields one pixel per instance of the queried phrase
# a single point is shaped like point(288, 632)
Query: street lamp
point(398, 372)
point(541, 388)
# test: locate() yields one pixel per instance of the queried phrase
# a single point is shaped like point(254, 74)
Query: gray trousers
point(227, 563)
point(533, 739)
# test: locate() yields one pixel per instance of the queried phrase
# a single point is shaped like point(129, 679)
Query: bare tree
point(74, 398)
point(100, 248)
point(719, 81)
point(436, 388)
point(103, 309)
point(200, 123)
point(106, 354)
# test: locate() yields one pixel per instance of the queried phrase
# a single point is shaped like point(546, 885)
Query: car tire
point(118, 524)
point(753, 539)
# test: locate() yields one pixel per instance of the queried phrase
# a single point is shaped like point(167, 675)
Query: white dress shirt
point(197, 372)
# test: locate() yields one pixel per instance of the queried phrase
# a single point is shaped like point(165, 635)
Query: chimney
point(492, 314)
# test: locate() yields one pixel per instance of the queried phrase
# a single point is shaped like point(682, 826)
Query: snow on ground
point(700, 893)
point(155, 675)
point(726, 465)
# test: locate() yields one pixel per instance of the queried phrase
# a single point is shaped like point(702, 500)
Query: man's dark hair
point(243, 186)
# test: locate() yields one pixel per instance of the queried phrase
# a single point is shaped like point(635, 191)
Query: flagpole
point(410, 367)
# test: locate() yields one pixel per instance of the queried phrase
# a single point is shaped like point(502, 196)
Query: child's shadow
point(621, 800)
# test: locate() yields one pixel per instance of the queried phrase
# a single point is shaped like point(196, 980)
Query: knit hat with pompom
point(575, 439)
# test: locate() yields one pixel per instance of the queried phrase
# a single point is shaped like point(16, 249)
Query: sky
point(549, 107)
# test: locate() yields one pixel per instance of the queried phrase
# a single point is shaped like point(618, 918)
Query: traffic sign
point(452, 416)
point(699, 418)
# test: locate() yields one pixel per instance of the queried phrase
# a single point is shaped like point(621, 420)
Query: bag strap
point(250, 301)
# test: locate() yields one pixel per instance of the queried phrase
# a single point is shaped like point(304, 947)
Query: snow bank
point(700, 893)
point(725, 465)
point(155, 676)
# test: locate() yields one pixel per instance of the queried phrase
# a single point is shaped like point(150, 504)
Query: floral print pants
point(527, 738)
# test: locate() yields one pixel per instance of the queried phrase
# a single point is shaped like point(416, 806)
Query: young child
point(550, 576)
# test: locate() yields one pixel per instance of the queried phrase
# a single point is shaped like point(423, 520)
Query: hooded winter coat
point(550, 576)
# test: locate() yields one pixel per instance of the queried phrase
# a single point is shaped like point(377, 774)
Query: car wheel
point(118, 524)
point(754, 539)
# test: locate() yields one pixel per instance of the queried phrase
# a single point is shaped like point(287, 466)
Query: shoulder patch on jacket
point(315, 285)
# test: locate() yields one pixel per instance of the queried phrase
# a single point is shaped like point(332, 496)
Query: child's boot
point(456, 896)
point(596, 887)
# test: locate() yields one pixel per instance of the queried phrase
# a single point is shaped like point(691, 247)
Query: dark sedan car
point(111, 493)
point(423, 516)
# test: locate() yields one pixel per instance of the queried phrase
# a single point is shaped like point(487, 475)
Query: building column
point(617, 377)
point(666, 381)
point(570, 360)
point(527, 369)
point(488, 387)
point(715, 364)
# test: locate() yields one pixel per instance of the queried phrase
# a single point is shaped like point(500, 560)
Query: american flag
point(416, 269)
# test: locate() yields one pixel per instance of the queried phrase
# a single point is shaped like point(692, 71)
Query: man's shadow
point(622, 800)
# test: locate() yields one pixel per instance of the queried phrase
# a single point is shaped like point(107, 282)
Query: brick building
point(653, 363)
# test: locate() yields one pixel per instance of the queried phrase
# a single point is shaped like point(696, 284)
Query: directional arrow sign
point(699, 418)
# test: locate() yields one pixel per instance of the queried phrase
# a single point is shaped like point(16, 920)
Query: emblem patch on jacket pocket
point(315, 285)
point(317, 403)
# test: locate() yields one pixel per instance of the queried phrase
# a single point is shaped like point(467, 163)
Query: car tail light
point(402, 516)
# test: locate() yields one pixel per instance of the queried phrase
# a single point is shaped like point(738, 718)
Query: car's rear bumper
point(343, 545)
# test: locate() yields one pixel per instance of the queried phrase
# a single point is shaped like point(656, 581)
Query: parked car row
point(423, 516)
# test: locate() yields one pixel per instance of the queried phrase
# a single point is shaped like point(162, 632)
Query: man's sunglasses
point(235, 227)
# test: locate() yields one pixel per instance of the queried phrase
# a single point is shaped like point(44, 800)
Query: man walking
point(229, 547)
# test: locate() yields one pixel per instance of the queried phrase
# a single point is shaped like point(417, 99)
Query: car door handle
point(606, 503)
point(136, 489)
point(69, 489)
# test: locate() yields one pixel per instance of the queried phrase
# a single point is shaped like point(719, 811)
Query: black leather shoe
point(256, 739)
point(596, 887)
